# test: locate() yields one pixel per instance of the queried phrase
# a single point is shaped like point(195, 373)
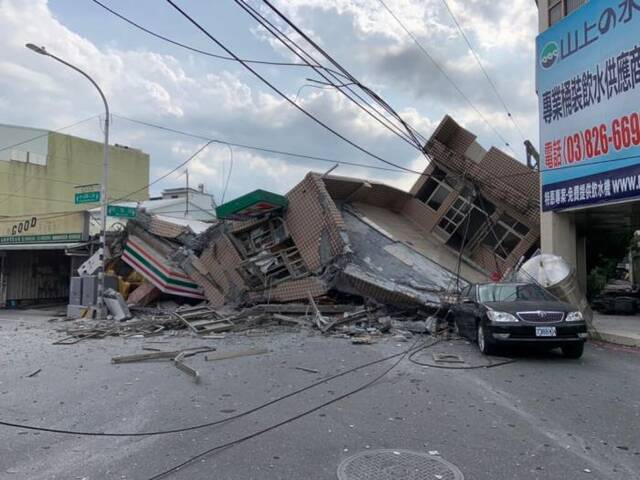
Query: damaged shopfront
point(38, 254)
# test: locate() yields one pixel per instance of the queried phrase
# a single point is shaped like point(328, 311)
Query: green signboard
point(122, 212)
point(87, 197)
point(52, 238)
point(251, 205)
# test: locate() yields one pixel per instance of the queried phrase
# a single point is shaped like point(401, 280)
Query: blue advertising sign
point(588, 83)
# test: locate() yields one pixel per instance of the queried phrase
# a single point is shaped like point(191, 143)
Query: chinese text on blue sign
point(588, 82)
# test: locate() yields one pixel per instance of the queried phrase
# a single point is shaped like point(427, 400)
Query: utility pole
point(533, 157)
point(100, 307)
point(186, 211)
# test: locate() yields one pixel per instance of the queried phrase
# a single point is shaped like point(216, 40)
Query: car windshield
point(512, 292)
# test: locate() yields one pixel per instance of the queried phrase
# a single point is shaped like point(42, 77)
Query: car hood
point(529, 306)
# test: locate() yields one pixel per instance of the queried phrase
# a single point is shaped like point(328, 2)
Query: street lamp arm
point(104, 99)
point(105, 174)
point(43, 51)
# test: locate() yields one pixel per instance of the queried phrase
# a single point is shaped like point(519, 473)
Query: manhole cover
point(397, 465)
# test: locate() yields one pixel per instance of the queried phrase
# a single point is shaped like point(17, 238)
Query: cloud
point(221, 100)
point(502, 34)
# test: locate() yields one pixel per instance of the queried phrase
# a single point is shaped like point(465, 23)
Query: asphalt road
point(542, 417)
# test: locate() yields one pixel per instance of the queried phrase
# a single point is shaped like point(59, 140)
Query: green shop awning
point(251, 205)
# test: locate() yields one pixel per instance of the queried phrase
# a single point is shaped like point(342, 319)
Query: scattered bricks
point(143, 295)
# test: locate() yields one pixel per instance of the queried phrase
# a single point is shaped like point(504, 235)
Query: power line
point(50, 156)
point(484, 71)
point(264, 149)
point(343, 88)
point(162, 177)
point(209, 424)
point(226, 185)
point(46, 134)
point(333, 161)
point(318, 48)
point(17, 189)
point(146, 30)
point(446, 75)
point(355, 164)
point(44, 199)
point(410, 130)
point(125, 197)
point(280, 93)
point(189, 47)
point(295, 417)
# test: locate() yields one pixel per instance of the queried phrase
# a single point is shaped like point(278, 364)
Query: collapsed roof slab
point(385, 208)
point(389, 270)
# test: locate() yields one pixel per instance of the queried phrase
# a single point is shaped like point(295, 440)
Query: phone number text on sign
point(622, 133)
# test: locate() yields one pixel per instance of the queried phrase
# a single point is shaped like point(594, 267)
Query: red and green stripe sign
point(154, 268)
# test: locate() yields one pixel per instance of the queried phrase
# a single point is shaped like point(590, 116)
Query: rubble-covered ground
point(542, 417)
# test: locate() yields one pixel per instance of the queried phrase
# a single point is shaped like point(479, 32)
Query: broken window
point(268, 268)
point(262, 236)
point(507, 234)
point(455, 215)
point(435, 190)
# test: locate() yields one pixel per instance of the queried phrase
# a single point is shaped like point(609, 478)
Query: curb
point(616, 338)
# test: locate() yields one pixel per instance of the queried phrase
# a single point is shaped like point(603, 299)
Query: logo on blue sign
point(549, 55)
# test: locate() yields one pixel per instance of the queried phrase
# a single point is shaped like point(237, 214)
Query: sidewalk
point(620, 329)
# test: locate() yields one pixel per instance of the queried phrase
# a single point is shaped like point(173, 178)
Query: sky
point(149, 80)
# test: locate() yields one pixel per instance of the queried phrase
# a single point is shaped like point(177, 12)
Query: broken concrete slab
point(116, 305)
point(141, 357)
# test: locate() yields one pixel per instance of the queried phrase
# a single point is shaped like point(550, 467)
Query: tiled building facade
point(487, 199)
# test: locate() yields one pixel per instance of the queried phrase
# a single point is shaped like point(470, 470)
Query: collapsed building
point(472, 215)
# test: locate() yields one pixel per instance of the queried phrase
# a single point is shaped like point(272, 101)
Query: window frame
point(462, 211)
point(509, 229)
point(552, 5)
point(564, 9)
point(441, 184)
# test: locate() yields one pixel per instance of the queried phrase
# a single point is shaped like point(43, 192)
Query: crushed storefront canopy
point(157, 270)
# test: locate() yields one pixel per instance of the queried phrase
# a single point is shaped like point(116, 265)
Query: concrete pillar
point(558, 235)
point(581, 263)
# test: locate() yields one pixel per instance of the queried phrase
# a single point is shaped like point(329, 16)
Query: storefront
point(588, 84)
point(38, 255)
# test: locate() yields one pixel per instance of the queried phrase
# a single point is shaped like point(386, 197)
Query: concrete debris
point(447, 358)
point(140, 357)
point(143, 295)
point(34, 373)
point(412, 326)
point(311, 245)
point(308, 370)
point(332, 255)
point(116, 306)
point(363, 340)
point(180, 365)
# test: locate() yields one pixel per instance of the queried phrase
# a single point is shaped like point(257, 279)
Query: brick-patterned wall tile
point(165, 229)
point(310, 215)
point(421, 215)
point(291, 290)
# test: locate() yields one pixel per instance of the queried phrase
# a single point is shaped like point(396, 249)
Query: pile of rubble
point(208, 323)
point(311, 258)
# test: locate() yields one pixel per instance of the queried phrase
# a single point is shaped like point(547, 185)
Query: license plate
point(545, 331)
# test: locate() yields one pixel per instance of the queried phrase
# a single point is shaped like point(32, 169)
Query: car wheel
point(573, 350)
point(485, 347)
